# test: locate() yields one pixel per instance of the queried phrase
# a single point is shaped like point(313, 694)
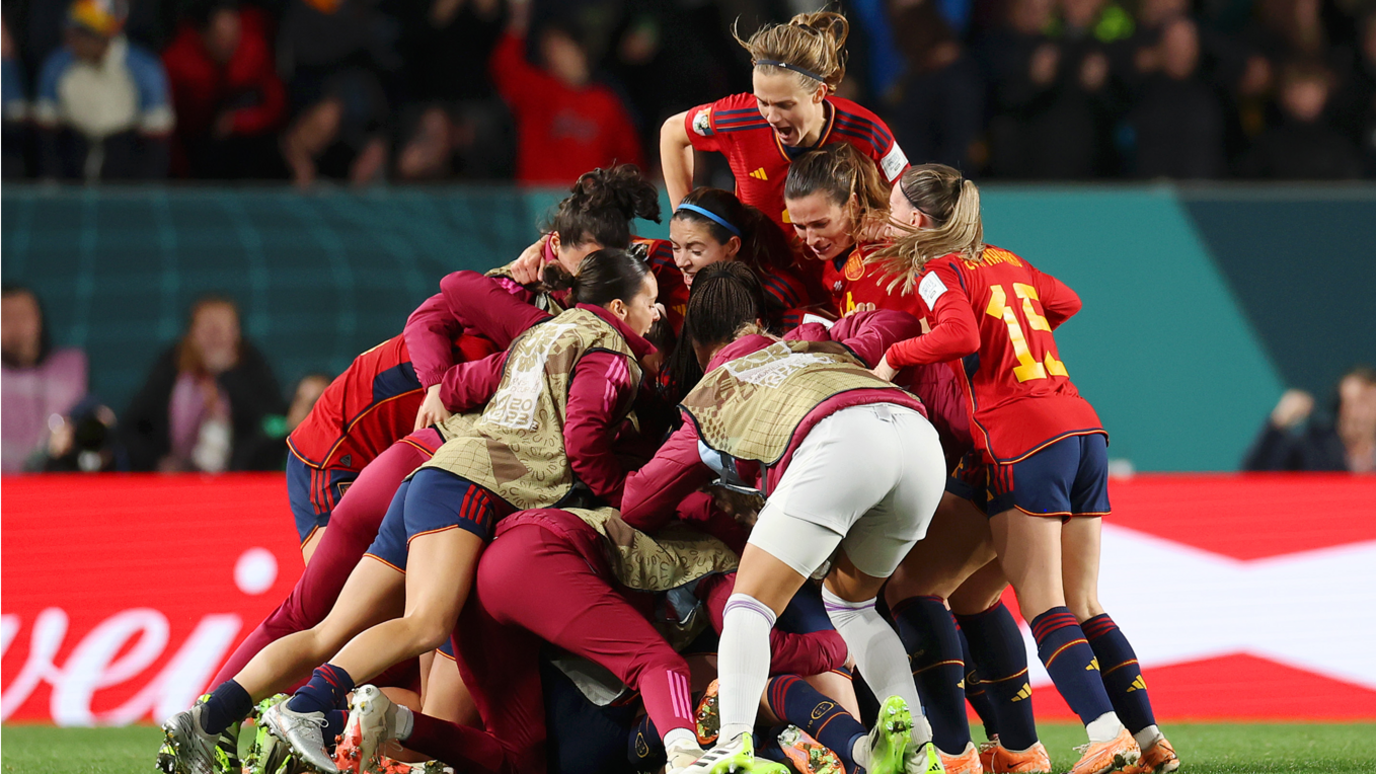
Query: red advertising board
point(1245, 597)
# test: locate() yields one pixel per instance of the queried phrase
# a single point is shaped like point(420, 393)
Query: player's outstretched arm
point(676, 157)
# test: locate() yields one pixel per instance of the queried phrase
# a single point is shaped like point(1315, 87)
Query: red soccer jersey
point(734, 127)
point(851, 281)
point(368, 407)
point(994, 319)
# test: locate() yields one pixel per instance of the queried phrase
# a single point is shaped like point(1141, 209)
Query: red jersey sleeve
point(600, 393)
point(430, 333)
point(468, 386)
point(1059, 302)
point(701, 123)
point(654, 492)
point(955, 332)
point(488, 306)
point(868, 132)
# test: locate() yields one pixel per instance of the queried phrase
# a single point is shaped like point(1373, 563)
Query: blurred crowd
point(209, 404)
point(541, 90)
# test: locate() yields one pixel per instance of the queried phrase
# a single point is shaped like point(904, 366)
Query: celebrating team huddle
point(627, 504)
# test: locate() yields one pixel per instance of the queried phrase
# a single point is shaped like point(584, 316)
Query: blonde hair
point(939, 192)
point(811, 46)
point(847, 177)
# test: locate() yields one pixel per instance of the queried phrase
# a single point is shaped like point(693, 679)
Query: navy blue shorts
point(432, 501)
point(1068, 478)
point(313, 494)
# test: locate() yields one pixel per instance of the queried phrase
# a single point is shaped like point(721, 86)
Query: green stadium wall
point(1200, 305)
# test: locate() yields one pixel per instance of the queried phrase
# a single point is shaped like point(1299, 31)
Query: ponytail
point(603, 276)
point(811, 46)
point(601, 205)
point(942, 194)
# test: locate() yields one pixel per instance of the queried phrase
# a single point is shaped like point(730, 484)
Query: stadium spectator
point(1050, 95)
point(226, 93)
point(342, 56)
point(203, 405)
point(1348, 444)
point(1178, 118)
point(102, 106)
point(452, 127)
point(307, 392)
point(565, 123)
point(940, 111)
point(1303, 146)
point(40, 385)
point(14, 106)
point(1356, 101)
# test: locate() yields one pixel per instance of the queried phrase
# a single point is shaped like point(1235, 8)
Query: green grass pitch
point(1206, 748)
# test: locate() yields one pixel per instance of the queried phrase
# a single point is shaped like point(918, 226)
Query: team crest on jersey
point(702, 122)
point(855, 268)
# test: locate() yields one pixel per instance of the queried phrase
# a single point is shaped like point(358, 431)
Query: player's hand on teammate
point(884, 370)
point(432, 410)
point(526, 268)
point(863, 307)
point(1294, 407)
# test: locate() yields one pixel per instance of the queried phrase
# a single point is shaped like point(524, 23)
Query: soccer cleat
point(734, 756)
point(807, 754)
point(1101, 757)
point(303, 732)
point(1033, 760)
point(890, 742)
point(1158, 758)
point(986, 752)
point(187, 749)
point(264, 744)
point(926, 759)
point(681, 754)
point(707, 719)
point(372, 723)
point(387, 765)
point(966, 763)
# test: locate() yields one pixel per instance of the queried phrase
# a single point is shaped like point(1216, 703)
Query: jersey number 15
point(1028, 368)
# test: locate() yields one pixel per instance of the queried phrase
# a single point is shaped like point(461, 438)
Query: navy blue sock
point(794, 701)
point(976, 695)
point(328, 688)
point(228, 704)
point(929, 636)
point(334, 726)
point(999, 654)
point(645, 745)
point(767, 746)
point(1122, 674)
point(1070, 661)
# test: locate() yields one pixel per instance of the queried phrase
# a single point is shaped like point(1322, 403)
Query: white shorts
point(867, 478)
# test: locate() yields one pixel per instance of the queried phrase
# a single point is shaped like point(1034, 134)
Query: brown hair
point(810, 45)
point(942, 194)
point(763, 244)
point(847, 177)
point(189, 357)
point(601, 205)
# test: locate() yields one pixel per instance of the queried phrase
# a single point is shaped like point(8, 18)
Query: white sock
point(1104, 728)
point(879, 655)
point(742, 663)
point(1146, 736)
point(679, 736)
point(406, 722)
point(860, 751)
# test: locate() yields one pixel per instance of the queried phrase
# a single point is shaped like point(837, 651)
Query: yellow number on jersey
point(1028, 368)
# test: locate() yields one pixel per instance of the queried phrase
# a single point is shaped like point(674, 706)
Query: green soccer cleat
point(735, 756)
point(187, 749)
point(891, 738)
point(265, 745)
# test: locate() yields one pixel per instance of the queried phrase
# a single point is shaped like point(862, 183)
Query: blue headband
point(713, 216)
point(787, 66)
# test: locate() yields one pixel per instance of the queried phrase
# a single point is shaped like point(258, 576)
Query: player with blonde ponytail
point(792, 109)
point(1040, 463)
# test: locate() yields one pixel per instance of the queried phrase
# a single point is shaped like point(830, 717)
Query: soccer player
point(1040, 445)
point(563, 391)
point(848, 463)
point(797, 67)
point(839, 202)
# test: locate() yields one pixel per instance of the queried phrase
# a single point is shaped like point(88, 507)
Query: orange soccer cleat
point(1116, 754)
point(1033, 760)
point(968, 762)
point(1158, 758)
point(707, 719)
point(986, 752)
point(807, 754)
